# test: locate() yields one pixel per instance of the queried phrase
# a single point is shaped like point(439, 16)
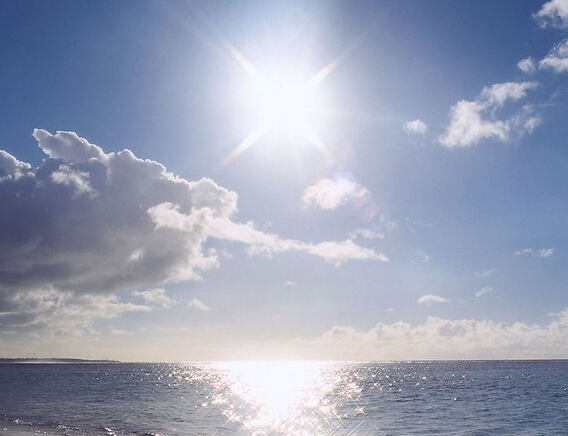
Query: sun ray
point(330, 66)
point(315, 140)
point(239, 57)
point(250, 140)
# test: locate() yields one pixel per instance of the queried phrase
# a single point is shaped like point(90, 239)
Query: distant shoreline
point(56, 360)
point(52, 360)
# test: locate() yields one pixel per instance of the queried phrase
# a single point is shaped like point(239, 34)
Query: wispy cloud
point(167, 215)
point(56, 313)
point(329, 194)
point(474, 121)
point(421, 256)
point(366, 234)
point(196, 303)
point(155, 297)
point(431, 298)
point(416, 126)
point(484, 273)
point(484, 291)
point(543, 252)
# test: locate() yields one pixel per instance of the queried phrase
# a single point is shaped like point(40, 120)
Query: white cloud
point(329, 194)
point(167, 215)
point(12, 167)
point(196, 303)
point(439, 338)
point(483, 291)
point(366, 234)
point(524, 251)
point(77, 180)
point(155, 297)
point(90, 224)
point(553, 13)
point(431, 298)
point(474, 121)
point(546, 252)
point(290, 283)
point(415, 126)
point(557, 58)
point(527, 65)
point(484, 273)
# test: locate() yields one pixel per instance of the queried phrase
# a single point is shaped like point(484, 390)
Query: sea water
point(287, 398)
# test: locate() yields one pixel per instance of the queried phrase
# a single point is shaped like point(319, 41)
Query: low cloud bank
point(439, 338)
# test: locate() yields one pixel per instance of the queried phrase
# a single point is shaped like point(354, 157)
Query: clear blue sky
point(409, 201)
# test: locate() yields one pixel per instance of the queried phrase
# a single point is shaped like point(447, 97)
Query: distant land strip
point(52, 360)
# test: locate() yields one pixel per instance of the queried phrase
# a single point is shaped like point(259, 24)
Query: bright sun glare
point(285, 105)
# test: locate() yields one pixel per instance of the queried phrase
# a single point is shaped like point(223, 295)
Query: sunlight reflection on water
point(290, 398)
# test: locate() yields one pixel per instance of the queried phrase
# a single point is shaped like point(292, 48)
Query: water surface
point(287, 398)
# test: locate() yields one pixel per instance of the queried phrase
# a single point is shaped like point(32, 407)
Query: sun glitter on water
point(279, 391)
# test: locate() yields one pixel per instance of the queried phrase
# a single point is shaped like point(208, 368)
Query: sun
point(284, 108)
point(284, 105)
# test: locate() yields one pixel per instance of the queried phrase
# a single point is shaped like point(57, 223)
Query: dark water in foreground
point(311, 399)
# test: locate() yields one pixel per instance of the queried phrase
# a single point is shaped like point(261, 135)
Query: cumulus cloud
point(12, 167)
point(474, 121)
point(527, 65)
point(415, 126)
point(439, 338)
point(329, 194)
point(557, 59)
point(553, 13)
point(86, 224)
point(431, 298)
point(483, 291)
point(196, 303)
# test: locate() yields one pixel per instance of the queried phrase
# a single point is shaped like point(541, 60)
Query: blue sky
point(409, 201)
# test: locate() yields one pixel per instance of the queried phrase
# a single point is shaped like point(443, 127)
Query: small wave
point(109, 431)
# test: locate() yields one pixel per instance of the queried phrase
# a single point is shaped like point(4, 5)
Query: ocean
point(286, 398)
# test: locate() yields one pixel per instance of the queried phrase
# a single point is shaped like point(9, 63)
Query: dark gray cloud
point(79, 221)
